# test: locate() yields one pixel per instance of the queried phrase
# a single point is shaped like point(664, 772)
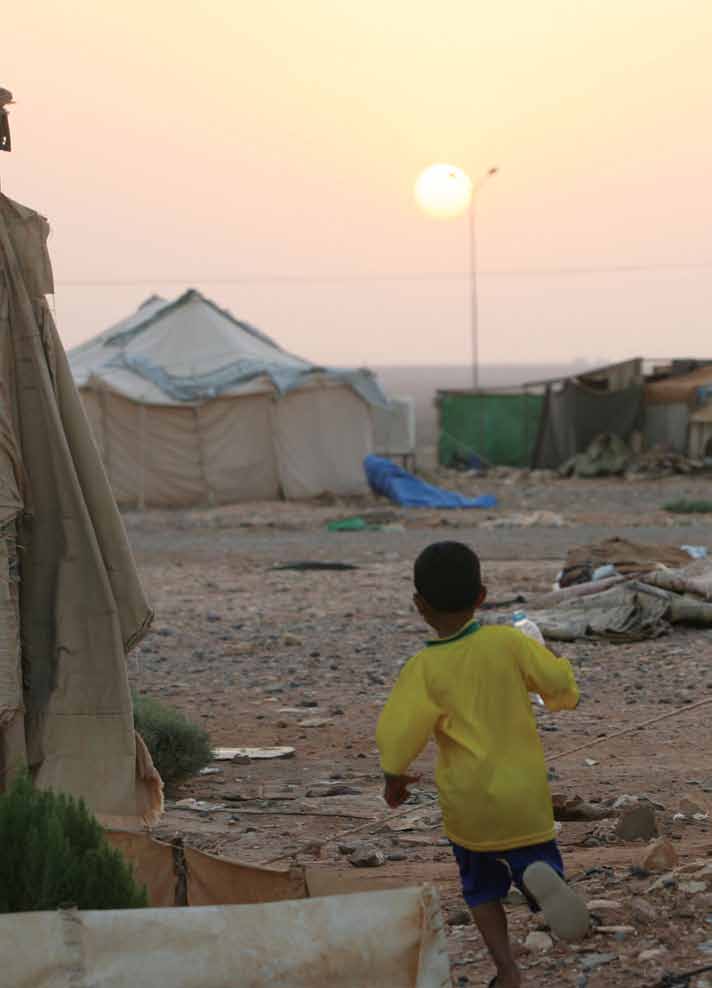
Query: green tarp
point(500, 428)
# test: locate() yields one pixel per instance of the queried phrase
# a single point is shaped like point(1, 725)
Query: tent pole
point(209, 494)
point(142, 453)
point(105, 447)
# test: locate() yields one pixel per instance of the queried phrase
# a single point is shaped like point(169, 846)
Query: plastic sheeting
point(392, 938)
point(391, 481)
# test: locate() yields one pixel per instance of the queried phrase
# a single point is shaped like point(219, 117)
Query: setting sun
point(443, 191)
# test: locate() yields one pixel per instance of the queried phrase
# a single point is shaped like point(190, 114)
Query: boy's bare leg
point(491, 921)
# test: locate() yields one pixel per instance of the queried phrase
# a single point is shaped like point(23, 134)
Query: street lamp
point(474, 307)
point(444, 191)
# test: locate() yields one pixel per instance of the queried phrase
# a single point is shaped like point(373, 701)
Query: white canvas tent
point(191, 406)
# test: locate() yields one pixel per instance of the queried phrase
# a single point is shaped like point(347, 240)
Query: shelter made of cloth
point(190, 405)
point(573, 417)
point(71, 604)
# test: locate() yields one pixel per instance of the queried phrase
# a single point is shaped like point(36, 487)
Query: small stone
point(538, 942)
point(652, 954)
point(591, 961)
point(367, 857)
point(604, 906)
point(692, 888)
point(659, 856)
point(617, 931)
point(460, 917)
point(690, 808)
point(396, 856)
point(706, 947)
point(642, 911)
point(332, 790)
point(637, 823)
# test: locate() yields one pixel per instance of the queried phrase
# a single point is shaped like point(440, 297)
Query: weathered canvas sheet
point(392, 938)
point(80, 603)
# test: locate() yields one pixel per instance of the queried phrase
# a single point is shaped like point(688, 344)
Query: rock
point(652, 954)
point(706, 947)
point(459, 917)
point(659, 856)
point(348, 847)
point(315, 722)
point(318, 792)
point(538, 942)
point(367, 857)
point(574, 808)
point(642, 911)
point(591, 961)
point(624, 801)
point(617, 931)
point(396, 856)
point(692, 888)
point(637, 823)
point(604, 906)
point(689, 808)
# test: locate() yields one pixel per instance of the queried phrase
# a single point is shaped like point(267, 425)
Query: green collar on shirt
point(469, 629)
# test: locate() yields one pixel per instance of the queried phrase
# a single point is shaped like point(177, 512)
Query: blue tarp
point(403, 488)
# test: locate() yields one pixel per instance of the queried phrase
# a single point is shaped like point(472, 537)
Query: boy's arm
point(548, 675)
point(406, 722)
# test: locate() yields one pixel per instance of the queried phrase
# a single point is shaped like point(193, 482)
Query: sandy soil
point(256, 653)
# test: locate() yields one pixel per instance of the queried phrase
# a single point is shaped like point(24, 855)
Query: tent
point(577, 409)
point(71, 605)
point(191, 406)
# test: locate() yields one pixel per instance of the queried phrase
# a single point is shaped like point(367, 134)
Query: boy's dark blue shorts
point(488, 875)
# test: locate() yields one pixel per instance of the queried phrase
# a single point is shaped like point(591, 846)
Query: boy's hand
point(396, 789)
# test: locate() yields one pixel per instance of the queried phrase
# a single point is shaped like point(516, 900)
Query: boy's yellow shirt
point(471, 692)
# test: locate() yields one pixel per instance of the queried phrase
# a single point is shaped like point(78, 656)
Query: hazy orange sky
point(175, 144)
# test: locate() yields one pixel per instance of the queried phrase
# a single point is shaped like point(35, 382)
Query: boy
point(470, 688)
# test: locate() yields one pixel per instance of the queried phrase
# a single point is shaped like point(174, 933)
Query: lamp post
point(474, 307)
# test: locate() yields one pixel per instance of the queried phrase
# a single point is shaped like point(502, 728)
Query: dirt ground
point(264, 656)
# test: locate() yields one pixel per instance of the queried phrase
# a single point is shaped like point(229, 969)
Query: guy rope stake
point(313, 846)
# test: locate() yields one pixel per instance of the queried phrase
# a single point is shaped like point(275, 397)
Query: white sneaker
point(563, 909)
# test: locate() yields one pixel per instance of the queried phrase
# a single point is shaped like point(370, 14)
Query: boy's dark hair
point(447, 576)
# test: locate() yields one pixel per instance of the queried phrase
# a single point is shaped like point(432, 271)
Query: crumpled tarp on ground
point(624, 608)
point(395, 483)
point(627, 557)
point(606, 456)
point(74, 602)
point(392, 938)
point(623, 613)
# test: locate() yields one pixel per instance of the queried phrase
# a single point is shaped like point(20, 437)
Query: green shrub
point(178, 747)
point(54, 853)
point(683, 507)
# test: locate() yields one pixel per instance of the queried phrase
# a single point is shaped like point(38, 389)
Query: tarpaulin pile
point(389, 480)
point(71, 604)
point(609, 456)
point(648, 593)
